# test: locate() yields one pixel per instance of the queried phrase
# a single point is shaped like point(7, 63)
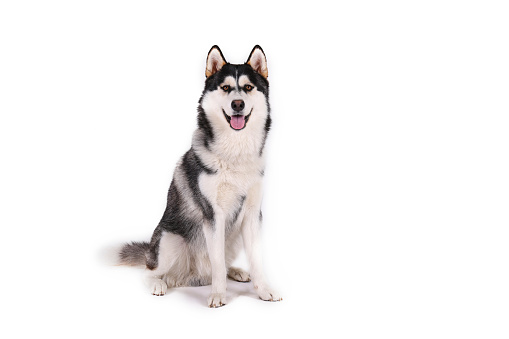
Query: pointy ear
point(258, 61)
point(215, 61)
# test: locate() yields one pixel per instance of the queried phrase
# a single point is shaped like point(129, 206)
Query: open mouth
point(237, 121)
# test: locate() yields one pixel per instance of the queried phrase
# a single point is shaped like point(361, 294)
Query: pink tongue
point(237, 121)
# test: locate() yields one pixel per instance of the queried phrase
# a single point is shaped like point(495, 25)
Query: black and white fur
point(214, 200)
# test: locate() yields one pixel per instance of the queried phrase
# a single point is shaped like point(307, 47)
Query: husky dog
point(215, 196)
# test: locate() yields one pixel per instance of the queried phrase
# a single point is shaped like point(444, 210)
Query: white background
point(387, 187)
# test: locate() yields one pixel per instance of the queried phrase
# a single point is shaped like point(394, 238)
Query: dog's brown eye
point(248, 87)
point(225, 88)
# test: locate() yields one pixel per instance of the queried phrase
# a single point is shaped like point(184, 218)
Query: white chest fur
point(231, 181)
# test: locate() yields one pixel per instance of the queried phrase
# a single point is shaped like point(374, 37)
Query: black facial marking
point(213, 82)
point(230, 88)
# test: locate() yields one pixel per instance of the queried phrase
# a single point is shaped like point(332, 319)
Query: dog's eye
point(226, 88)
point(248, 87)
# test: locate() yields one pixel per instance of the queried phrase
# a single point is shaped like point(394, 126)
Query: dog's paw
point(158, 287)
point(217, 300)
point(238, 274)
point(268, 294)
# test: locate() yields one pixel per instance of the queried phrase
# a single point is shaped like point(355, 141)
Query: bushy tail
point(134, 254)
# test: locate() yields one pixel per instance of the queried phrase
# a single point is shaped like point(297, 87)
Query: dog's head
point(235, 98)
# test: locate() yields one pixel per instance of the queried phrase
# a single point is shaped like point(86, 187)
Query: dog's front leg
point(215, 237)
point(251, 226)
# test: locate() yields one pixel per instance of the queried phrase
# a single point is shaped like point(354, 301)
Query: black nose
point(238, 105)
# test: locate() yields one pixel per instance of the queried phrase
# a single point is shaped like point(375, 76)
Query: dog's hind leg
point(157, 286)
point(238, 274)
point(165, 251)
